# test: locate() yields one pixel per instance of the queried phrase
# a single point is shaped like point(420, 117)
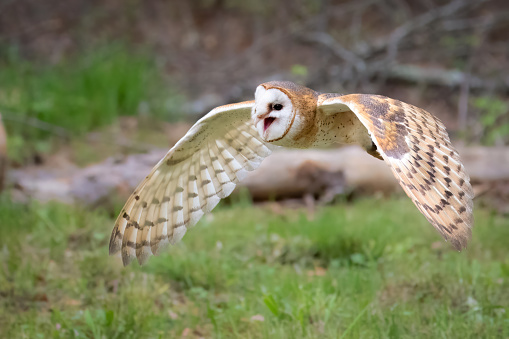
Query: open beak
point(267, 121)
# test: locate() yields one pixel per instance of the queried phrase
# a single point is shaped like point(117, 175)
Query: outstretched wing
point(203, 167)
point(416, 146)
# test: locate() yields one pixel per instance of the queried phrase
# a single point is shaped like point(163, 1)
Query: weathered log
point(294, 173)
point(286, 174)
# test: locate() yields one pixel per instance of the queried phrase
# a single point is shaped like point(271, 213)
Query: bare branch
point(336, 48)
point(444, 77)
point(424, 20)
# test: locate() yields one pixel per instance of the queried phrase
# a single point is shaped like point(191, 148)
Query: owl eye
point(277, 107)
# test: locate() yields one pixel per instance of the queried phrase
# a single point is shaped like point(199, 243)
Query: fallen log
point(294, 173)
point(285, 174)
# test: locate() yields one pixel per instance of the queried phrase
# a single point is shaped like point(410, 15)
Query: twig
point(443, 77)
point(65, 134)
point(484, 22)
point(36, 123)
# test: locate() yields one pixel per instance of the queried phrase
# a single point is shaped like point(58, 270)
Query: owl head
point(280, 108)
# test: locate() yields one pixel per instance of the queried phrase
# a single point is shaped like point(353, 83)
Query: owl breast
point(342, 128)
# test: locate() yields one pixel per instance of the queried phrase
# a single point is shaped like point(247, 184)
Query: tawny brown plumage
point(215, 154)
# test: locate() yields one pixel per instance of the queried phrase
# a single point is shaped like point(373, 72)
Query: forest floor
point(373, 269)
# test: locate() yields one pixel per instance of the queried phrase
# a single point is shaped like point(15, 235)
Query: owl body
point(311, 127)
point(218, 151)
point(345, 129)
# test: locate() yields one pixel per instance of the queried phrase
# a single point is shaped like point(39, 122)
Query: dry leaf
point(320, 271)
point(258, 317)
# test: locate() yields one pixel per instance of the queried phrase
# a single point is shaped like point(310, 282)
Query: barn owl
point(217, 152)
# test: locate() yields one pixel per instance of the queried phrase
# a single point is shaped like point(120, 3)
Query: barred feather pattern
point(200, 170)
point(415, 144)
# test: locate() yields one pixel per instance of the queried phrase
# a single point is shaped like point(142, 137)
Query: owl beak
point(267, 121)
point(258, 118)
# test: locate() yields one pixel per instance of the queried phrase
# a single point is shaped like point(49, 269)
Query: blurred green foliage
point(79, 94)
point(494, 118)
point(299, 70)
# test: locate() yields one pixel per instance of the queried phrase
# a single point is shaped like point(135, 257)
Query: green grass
point(79, 94)
point(373, 269)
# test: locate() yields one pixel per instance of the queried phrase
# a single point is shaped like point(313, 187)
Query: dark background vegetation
point(81, 80)
point(79, 64)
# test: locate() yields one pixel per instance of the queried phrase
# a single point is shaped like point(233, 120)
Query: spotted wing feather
point(203, 167)
point(416, 146)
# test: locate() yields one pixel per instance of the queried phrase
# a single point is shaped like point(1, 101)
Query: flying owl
point(217, 152)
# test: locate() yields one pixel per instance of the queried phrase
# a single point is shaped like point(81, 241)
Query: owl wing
point(203, 167)
point(416, 146)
